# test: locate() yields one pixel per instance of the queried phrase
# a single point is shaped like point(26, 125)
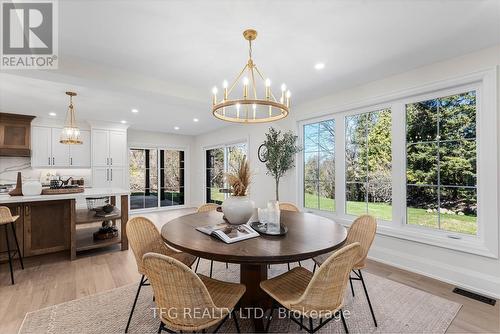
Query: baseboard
point(411, 263)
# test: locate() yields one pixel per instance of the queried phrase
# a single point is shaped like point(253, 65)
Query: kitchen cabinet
point(105, 177)
point(46, 227)
point(109, 148)
point(49, 152)
point(15, 135)
point(15, 210)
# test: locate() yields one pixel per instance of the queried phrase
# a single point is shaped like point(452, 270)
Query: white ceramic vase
point(32, 188)
point(238, 209)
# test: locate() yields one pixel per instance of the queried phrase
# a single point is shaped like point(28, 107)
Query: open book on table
point(229, 233)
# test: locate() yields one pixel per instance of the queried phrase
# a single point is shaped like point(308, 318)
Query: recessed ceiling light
point(195, 119)
point(123, 122)
point(319, 66)
point(135, 111)
point(52, 114)
point(176, 128)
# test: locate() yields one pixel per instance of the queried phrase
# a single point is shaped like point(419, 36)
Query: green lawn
point(462, 224)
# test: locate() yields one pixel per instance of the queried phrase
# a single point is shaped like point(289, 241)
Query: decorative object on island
point(32, 188)
point(18, 190)
point(70, 133)
point(279, 155)
point(238, 208)
point(103, 209)
point(249, 108)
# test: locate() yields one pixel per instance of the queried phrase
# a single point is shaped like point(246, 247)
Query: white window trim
point(224, 146)
point(486, 241)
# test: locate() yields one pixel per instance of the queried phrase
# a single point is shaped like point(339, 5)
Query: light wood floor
point(53, 279)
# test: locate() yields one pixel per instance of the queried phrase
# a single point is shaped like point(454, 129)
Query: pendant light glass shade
point(70, 133)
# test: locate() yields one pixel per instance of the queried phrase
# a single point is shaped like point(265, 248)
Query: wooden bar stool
point(6, 218)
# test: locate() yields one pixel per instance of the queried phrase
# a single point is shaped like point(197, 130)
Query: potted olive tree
point(278, 153)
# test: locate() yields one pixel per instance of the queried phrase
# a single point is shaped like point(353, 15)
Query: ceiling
point(163, 57)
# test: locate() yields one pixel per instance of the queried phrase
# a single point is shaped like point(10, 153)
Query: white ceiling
point(163, 57)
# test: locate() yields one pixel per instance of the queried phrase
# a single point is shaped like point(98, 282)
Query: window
point(144, 168)
point(368, 160)
point(441, 163)
point(319, 165)
point(221, 160)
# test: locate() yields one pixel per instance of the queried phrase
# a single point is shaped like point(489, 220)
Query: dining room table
point(308, 235)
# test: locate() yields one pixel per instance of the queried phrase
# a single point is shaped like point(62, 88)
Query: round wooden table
point(308, 235)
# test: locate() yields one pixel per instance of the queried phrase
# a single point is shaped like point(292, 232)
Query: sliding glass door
point(220, 160)
point(145, 165)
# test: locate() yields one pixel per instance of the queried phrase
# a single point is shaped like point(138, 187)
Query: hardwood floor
point(53, 279)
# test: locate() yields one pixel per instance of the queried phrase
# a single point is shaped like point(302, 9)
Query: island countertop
point(88, 192)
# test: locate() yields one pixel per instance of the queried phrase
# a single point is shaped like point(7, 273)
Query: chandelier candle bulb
point(288, 95)
point(214, 91)
point(229, 106)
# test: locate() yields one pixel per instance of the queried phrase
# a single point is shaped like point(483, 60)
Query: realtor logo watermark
point(29, 34)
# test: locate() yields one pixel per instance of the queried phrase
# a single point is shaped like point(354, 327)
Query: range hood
point(15, 132)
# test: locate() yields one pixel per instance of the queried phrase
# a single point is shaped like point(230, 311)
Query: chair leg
point(8, 252)
point(197, 264)
point(300, 264)
point(211, 267)
point(227, 265)
point(235, 321)
point(288, 266)
point(311, 327)
point(343, 320)
point(161, 327)
point(273, 306)
point(17, 245)
point(352, 288)
point(368, 298)
point(301, 322)
point(133, 306)
point(314, 268)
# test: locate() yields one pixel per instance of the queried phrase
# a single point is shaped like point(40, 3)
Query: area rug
point(398, 308)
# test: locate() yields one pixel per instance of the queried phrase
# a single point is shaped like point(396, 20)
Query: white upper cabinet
point(41, 146)
point(60, 152)
point(117, 148)
point(79, 155)
point(47, 151)
point(100, 147)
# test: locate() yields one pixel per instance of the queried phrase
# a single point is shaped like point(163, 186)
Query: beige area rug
point(398, 308)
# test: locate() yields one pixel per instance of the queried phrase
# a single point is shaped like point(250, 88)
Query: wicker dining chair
point(207, 207)
point(145, 238)
point(6, 218)
point(180, 295)
point(316, 296)
point(287, 206)
point(362, 230)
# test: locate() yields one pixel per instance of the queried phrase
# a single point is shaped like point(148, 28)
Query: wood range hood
point(15, 132)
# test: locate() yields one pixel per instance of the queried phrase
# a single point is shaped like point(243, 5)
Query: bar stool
point(5, 219)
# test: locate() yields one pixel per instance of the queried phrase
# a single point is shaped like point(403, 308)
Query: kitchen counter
point(88, 192)
point(48, 223)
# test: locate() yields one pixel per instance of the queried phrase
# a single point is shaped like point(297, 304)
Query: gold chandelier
point(249, 108)
point(70, 133)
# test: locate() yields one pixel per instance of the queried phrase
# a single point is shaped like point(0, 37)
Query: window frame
point(485, 243)
point(185, 149)
point(225, 147)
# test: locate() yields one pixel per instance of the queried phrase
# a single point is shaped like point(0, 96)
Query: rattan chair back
point(144, 238)
point(362, 230)
point(286, 206)
point(5, 216)
point(208, 207)
point(180, 294)
point(325, 292)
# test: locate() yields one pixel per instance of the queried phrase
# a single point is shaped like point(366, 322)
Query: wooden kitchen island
point(54, 223)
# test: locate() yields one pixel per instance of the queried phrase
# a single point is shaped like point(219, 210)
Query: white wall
point(148, 139)
point(466, 270)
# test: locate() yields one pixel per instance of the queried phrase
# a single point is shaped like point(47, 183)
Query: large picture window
point(144, 167)
point(441, 163)
point(221, 160)
point(368, 161)
point(319, 165)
